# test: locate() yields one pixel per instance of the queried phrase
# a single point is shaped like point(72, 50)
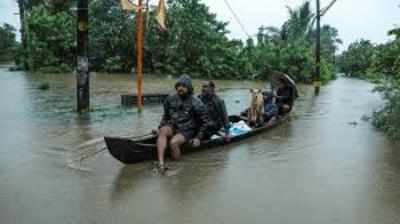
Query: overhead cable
point(324, 10)
point(237, 18)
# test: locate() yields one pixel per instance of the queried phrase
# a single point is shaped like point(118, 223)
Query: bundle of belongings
point(239, 128)
point(236, 129)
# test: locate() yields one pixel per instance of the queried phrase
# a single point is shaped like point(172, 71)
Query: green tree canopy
point(7, 42)
point(50, 39)
point(356, 60)
point(196, 42)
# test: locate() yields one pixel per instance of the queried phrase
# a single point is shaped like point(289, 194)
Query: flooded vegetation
point(327, 165)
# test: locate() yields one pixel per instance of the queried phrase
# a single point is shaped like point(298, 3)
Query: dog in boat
point(256, 110)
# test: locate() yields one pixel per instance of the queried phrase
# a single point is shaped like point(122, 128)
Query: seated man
point(216, 110)
point(271, 109)
point(184, 119)
point(285, 97)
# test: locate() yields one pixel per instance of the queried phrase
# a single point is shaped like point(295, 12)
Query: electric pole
point(83, 97)
point(317, 76)
point(139, 55)
point(22, 9)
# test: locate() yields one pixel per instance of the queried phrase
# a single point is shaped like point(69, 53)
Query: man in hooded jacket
point(185, 119)
point(285, 96)
point(216, 110)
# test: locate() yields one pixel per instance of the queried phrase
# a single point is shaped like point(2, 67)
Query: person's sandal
point(162, 168)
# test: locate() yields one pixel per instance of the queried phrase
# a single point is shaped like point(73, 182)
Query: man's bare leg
point(175, 145)
point(162, 142)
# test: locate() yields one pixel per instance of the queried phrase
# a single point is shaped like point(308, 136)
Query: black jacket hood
point(185, 80)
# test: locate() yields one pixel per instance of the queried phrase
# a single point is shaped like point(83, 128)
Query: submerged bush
point(388, 118)
point(44, 86)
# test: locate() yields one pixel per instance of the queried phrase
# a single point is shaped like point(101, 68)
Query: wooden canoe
point(131, 150)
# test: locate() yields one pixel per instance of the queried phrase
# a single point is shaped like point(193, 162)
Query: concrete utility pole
point(139, 55)
point(317, 76)
point(22, 9)
point(83, 97)
point(320, 13)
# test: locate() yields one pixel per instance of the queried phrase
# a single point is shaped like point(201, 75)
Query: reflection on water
point(324, 166)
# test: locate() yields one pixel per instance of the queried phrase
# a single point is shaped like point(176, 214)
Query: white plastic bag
point(239, 128)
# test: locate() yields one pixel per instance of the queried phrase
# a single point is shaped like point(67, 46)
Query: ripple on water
point(315, 161)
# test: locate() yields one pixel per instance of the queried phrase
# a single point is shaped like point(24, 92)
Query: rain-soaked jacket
point(285, 95)
point(187, 115)
point(216, 110)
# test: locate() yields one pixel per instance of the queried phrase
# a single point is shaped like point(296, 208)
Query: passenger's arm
point(224, 113)
point(202, 117)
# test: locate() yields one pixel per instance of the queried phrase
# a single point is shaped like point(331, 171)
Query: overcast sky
point(355, 19)
point(7, 10)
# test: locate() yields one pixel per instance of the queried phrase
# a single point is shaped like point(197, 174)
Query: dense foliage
point(382, 64)
point(50, 39)
point(357, 59)
point(111, 36)
point(196, 42)
point(387, 69)
point(7, 42)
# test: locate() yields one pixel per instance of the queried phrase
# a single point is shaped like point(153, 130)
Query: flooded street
point(327, 165)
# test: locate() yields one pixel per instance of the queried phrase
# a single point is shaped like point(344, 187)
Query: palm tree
point(329, 42)
point(300, 21)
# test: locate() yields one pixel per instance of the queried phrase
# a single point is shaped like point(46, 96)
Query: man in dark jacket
point(285, 96)
point(184, 120)
point(216, 110)
point(271, 109)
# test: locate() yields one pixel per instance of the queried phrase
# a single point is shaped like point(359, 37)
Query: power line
point(324, 10)
point(237, 18)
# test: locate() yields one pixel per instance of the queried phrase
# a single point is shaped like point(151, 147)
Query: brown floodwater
point(327, 165)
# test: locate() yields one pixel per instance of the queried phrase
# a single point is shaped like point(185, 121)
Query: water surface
point(326, 165)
